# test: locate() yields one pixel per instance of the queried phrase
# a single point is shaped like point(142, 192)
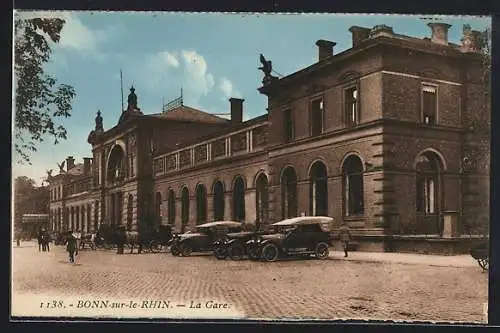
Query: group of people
point(44, 240)
point(71, 243)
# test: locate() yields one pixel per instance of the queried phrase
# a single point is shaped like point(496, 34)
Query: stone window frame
point(345, 87)
point(423, 84)
point(312, 99)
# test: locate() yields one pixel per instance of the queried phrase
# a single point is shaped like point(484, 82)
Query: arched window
point(59, 219)
point(289, 193)
point(171, 207)
point(88, 219)
point(318, 190)
point(353, 186)
point(201, 204)
point(429, 196)
point(130, 211)
point(239, 200)
point(116, 170)
point(158, 208)
point(262, 198)
point(218, 193)
point(96, 216)
point(184, 208)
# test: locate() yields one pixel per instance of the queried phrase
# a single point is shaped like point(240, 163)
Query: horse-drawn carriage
point(147, 240)
point(481, 254)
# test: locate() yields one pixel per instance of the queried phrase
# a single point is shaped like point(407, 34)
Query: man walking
point(345, 237)
point(71, 247)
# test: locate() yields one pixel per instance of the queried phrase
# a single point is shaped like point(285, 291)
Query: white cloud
point(228, 89)
point(75, 36)
point(199, 81)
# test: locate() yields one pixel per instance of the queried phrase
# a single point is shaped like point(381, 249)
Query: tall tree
point(40, 101)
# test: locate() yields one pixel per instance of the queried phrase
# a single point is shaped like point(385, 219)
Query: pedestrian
point(71, 247)
point(345, 237)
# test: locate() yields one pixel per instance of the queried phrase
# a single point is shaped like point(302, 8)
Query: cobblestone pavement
point(291, 289)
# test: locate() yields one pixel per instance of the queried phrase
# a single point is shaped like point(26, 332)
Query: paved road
point(330, 289)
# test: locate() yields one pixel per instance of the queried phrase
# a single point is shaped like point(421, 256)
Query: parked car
point(235, 245)
point(298, 236)
point(202, 239)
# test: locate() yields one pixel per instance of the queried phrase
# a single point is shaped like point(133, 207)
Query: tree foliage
point(40, 100)
point(484, 45)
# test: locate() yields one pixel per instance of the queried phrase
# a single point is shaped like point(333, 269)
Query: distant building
point(391, 135)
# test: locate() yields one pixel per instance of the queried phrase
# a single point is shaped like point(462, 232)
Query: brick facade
point(373, 131)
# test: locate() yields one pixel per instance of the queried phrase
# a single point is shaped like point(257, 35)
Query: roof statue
point(49, 174)
point(266, 68)
point(61, 166)
point(98, 122)
point(132, 99)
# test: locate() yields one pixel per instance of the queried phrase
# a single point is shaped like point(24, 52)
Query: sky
point(211, 56)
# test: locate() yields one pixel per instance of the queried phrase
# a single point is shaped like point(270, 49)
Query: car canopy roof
point(230, 224)
point(324, 221)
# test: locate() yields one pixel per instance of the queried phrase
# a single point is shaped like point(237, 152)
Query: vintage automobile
point(298, 236)
point(236, 245)
point(481, 254)
point(203, 238)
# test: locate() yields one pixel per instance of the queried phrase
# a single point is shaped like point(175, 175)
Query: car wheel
point(185, 250)
point(253, 252)
point(484, 263)
point(220, 253)
point(270, 252)
point(236, 252)
point(174, 249)
point(322, 251)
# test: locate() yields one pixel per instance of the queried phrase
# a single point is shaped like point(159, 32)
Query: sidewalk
point(463, 260)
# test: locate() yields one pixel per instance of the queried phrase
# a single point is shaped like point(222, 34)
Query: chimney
point(236, 109)
point(70, 163)
point(381, 30)
point(439, 32)
point(86, 165)
point(359, 34)
point(325, 49)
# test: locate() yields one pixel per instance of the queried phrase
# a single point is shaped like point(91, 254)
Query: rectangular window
point(288, 125)
point(429, 104)
point(426, 194)
point(351, 106)
point(316, 117)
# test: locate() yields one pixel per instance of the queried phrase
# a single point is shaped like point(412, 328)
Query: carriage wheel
point(155, 246)
point(253, 252)
point(484, 263)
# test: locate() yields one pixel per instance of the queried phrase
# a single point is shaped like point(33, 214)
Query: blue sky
point(211, 56)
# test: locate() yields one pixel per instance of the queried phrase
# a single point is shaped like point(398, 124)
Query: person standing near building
point(71, 247)
point(345, 237)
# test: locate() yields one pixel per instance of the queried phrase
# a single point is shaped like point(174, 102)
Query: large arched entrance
point(289, 193)
point(239, 200)
point(262, 198)
point(116, 165)
point(218, 201)
point(318, 190)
